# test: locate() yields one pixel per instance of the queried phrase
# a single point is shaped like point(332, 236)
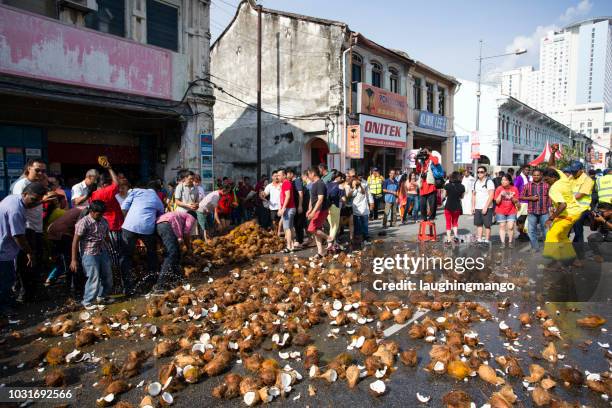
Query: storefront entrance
point(383, 158)
point(315, 152)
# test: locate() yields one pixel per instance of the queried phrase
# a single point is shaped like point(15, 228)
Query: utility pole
point(518, 51)
point(475, 161)
point(258, 92)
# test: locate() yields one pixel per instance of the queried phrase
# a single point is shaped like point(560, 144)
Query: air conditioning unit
point(81, 5)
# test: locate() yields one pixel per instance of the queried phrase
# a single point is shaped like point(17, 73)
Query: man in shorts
point(287, 209)
point(317, 209)
point(482, 204)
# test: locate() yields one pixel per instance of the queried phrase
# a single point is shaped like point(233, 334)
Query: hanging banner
point(462, 150)
point(206, 162)
point(475, 146)
point(382, 103)
point(382, 132)
point(354, 142)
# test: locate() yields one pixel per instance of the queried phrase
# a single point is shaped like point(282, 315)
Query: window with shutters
point(356, 71)
point(376, 74)
point(416, 91)
point(110, 17)
point(441, 101)
point(162, 25)
point(393, 80)
point(430, 102)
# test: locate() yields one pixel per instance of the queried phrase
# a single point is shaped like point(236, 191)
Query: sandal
point(286, 251)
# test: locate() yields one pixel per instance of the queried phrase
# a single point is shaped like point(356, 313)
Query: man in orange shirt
point(427, 191)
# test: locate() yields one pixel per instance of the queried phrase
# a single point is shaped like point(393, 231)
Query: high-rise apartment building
point(574, 81)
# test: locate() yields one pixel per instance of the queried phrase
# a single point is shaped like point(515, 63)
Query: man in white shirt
point(482, 204)
point(82, 191)
point(31, 288)
point(271, 194)
point(468, 183)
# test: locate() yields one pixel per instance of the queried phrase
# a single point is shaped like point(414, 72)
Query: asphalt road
point(580, 347)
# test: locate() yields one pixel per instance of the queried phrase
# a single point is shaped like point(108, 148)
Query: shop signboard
point(354, 142)
point(382, 103)
point(206, 162)
point(14, 163)
point(462, 150)
point(382, 132)
point(428, 120)
point(475, 146)
point(410, 158)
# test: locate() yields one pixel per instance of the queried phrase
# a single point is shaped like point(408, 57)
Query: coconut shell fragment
point(352, 376)
point(409, 357)
point(487, 373)
point(55, 378)
point(218, 364)
point(456, 399)
point(55, 356)
point(591, 322)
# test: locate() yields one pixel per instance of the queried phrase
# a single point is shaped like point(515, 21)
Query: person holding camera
point(428, 190)
point(601, 223)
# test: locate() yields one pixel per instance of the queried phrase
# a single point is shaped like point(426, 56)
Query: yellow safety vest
point(375, 184)
point(585, 201)
point(604, 189)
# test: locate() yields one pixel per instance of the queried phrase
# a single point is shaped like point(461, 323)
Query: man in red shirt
point(427, 191)
point(108, 187)
point(223, 210)
point(287, 209)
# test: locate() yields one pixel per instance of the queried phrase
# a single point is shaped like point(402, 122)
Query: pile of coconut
point(208, 330)
point(242, 244)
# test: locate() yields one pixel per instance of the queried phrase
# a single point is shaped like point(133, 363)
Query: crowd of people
point(91, 232)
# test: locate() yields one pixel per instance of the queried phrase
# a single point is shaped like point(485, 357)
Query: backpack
point(438, 173)
point(486, 183)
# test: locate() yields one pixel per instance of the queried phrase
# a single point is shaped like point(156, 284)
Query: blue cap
point(566, 169)
point(575, 166)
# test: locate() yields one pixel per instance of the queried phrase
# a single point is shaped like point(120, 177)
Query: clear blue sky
point(442, 33)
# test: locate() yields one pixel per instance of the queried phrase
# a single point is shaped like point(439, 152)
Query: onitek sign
point(382, 132)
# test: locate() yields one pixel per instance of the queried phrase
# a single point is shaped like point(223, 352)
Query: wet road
point(579, 346)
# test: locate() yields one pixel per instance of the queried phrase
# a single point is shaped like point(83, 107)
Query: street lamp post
point(519, 51)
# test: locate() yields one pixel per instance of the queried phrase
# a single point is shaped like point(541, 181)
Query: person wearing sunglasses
point(482, 204)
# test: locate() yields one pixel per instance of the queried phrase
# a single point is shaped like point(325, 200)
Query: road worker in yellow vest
point(603, 186)
point(582, 187)
point(565, 212)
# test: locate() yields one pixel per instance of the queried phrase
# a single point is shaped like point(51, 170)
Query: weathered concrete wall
point(301, 74)
point(38, 47)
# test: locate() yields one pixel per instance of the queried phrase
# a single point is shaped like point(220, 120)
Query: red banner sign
point(382, 103)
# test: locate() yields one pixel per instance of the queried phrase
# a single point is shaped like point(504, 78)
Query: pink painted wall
point(37, 47)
